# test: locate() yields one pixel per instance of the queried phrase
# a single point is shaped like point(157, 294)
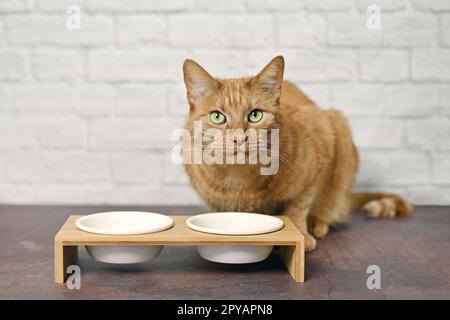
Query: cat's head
point(244, 103)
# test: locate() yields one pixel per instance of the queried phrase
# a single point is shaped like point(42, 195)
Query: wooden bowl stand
point(289, 239)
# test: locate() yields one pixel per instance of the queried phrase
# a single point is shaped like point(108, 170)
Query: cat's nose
point(240, 139)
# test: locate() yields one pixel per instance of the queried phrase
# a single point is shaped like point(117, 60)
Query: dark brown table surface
point(413, 254)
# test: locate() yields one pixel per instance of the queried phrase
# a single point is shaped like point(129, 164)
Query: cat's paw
point(319, 228)
point(310, 242)
point(387, 208)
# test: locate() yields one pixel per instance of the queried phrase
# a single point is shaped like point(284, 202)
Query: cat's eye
point(217, 117)
point(255, 115)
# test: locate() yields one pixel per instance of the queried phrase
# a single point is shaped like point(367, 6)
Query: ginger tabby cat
point(318, 159)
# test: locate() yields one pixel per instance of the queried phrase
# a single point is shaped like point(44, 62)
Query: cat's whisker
point(286, 160)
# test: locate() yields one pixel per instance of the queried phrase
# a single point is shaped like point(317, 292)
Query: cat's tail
point(381, 205)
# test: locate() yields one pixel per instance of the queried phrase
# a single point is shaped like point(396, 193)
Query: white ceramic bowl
point(234, 223)
point(124, 223)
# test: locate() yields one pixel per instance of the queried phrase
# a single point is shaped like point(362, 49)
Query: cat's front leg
point(298, 211)
point(319, 228)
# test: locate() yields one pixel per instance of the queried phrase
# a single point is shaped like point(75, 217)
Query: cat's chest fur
point(231, 190)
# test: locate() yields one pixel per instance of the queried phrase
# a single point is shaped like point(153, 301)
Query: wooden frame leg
point(64, 257)
point(294, 259)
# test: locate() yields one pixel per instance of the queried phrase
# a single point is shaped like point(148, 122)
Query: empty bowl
point(234, 223)
point(124, 223)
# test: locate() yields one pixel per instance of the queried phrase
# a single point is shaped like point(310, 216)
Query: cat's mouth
point(242, 149)
point(236, 152)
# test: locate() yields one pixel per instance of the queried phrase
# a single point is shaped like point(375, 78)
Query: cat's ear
point(271, 77)
point(199, 83)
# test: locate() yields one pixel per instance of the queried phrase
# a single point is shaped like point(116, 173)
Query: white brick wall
point(86, 115)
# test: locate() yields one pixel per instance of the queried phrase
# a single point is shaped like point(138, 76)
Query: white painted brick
point(173, 173)
point(222, 63)
point(2, 166)
point(377, 133)
point(74, 193)
point(440, 173)
point(351, 30)
point(164, 6)
point(429, 195)
point(5, 100)
point(429, 134)
point(220, 5)
point(120, 6)
point(275, 5)
point(141, 29)
point(409, 100)
point(52, 30)
point(222, 30)
point(63, 133)
point(56, 65)
point(319, 93)
point(400, 190)
point(133, 134)
point(59, 100)
point(444, 30)
point(136, 168)
point(13, 6)
point(178, 105)
point(57, 167)
point(157, 65)
point(16, 194)
point(250, 31)
point(406, 168)
point(385, 5)
point(311, 65)
point(301, 30)
point(430, 65)
point(116, 6)
point(122, 194)
point(178, 195)
point(142, 100)
point(432, 5)
point(16, 133)
point(384, 65)
point(321, 65)
point(444, 99)
point(12, 65)
point(59, 6)
point(2, 41)
point(409, 30)
point(115, 194)
point(328, 5)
